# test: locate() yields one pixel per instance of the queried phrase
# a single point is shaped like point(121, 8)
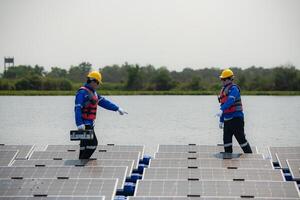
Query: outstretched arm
point(104, 103)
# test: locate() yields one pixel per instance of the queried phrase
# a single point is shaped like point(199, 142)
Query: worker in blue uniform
point(86, 102)
point(231, 113)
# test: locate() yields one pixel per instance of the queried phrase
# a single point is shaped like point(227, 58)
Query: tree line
point(148, 78)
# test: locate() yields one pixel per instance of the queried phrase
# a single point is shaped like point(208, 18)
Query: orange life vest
point(89, 110)
point(223, 97)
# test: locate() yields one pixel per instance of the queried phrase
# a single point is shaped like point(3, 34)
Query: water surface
point(152, 120)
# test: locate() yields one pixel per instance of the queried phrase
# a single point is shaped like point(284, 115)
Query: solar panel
point(44, 155)
point(100, 148)
point(6, 157)
point(58, 187)
point(198, 148)
point(184, 155)
point(211, 163)
point(274, 150)
point(90, 163)
point(65, 173)
point(248, 189)
point(23, 150)
point(282, 157)
point(212, 174)
point(201, 198)
point(294, 166)
point(52, 198)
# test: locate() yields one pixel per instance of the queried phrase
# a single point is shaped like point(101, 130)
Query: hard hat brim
point(222, 77)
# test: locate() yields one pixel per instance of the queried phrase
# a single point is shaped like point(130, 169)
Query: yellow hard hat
point(226, 73)
point(95, 75)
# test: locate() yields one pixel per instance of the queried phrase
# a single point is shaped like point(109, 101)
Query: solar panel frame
point(7, 157)
point(273, 150)
point(276, 189)
point(65, 173)
point(23, 150)
point(213, 174)
point(198, 148)
point(282, 157)
point(211, 163)
point(58, 187)
point(294, 167)
point(46, 155)
point(100, 148)
point(186, 155)
point(76, 163)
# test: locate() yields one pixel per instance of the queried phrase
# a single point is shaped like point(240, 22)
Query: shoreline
point(130, 93)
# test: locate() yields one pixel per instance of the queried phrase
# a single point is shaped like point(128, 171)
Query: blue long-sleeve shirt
point(82, 96)
point(233, 94)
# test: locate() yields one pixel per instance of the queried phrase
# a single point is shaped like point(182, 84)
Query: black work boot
point(247, 149)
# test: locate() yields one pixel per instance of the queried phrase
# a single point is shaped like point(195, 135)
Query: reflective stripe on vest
point(223, 97)
point(89, 109)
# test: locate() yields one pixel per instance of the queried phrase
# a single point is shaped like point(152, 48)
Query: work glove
point(221, 125)
point(122, 112)
point(81, 127)
point(219, 114)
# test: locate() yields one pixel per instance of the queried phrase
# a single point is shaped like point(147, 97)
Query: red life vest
point(89, 110)
point(223, 97)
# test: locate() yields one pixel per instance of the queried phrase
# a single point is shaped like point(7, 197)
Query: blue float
point(146, 160)
point(134, 177)
point(129, 189)
point(120, 197)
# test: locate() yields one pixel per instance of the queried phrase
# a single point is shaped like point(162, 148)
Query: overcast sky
point(172, 33)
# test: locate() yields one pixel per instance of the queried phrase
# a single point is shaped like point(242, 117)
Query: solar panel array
point(211, 163)
point(198, 172)
point(283, 150)
point(217, 188)
point(60, 187)
point(282, 157)
point(53, 198)
point(23, 150)
point(198, 148)
point(183, 172)
point(212, 174)
point(64, 173)
point(198, 155)
point(202, 198)
point(100, 148)
point(294, 166)
point(46, 155)
point(57, 173)
point(78, 163)
point(6, 157)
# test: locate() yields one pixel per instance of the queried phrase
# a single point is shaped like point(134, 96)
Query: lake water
point(152, 120)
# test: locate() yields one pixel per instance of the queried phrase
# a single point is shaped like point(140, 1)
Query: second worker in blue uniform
point(231, 113)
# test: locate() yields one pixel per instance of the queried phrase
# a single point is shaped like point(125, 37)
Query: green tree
point(162, 80)
point(21, 71)
point(57, 84)
point(6, 85)
point(134, 80)
point(79, 73)
point(285, 78)
point(195, 84)
point(29, 83)
point(57, 72)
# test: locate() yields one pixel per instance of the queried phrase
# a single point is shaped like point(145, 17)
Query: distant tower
point(8, 62)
